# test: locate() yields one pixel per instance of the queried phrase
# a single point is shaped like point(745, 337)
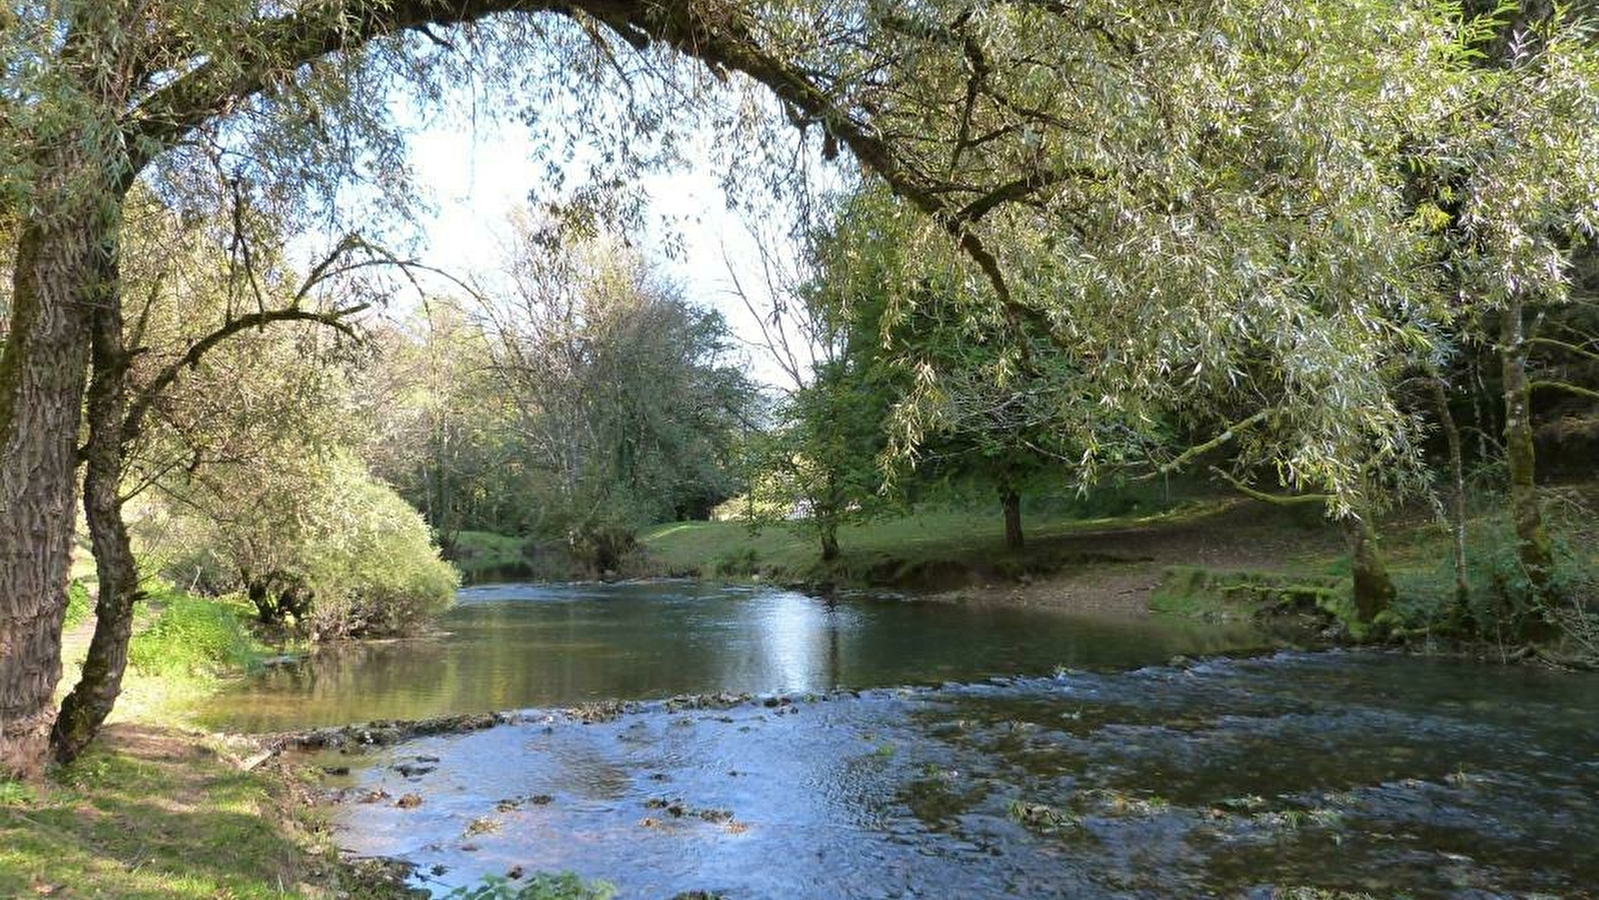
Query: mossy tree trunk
point(1372, 587)
point(1533, 550)
point(1013, 518)
point(85, 709)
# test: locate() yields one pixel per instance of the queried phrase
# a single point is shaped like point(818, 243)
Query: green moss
point(1201, 593)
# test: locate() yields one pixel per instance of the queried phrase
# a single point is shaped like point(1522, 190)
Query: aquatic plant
point(543, 886)
point(1041, 817)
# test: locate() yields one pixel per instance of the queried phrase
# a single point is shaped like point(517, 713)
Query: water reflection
point(515, 646)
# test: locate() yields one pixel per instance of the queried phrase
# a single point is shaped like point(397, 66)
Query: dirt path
point(1125, 564)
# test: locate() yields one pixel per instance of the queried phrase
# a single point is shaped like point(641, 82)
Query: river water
point(1062, 757)
point(519, 646)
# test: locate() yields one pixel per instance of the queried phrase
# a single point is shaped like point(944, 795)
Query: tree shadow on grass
point(150, 814)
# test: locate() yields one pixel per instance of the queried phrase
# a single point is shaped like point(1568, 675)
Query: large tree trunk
point(42, 375)
point(1013, 518)
point(86, 708)
point(1373, 589)
point(1533, 549)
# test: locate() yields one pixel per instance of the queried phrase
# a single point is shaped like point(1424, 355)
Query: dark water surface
point(517, 646)
point(1381, 774)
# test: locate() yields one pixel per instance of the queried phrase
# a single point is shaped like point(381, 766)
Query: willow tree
point(1513, 191)
point(1154, 186)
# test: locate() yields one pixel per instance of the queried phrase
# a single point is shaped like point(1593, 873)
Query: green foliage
point(638, 403)
point(818, 469)
point(15, 793)
point(79, 604)
point(192, 636)
point(329, 551)
point(543, 886)
point(369, 561)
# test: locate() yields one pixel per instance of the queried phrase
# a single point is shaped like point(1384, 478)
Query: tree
point(1094, 167)
point(819, 467)
point(626, 400)
point(1004, 391)
point(135, 371)
point(442, 430)
point(1513, 191)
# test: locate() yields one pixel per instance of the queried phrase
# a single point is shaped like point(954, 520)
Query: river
point(943, 751)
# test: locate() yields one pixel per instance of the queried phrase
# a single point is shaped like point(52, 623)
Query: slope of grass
point(885, 551)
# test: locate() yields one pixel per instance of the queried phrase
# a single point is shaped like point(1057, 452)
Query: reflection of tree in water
point(564, 645)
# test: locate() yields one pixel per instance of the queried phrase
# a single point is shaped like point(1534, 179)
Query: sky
point(478, 173)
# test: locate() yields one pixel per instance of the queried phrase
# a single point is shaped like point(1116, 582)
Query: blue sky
point(477, 173)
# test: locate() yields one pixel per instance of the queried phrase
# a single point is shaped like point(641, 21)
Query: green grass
point(194, 637)
point(165, 819)
point(880, 551)
point(79, 605)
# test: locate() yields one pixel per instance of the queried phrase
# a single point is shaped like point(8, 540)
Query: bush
point(330, 552)
point(192, 635)
point(373, 569)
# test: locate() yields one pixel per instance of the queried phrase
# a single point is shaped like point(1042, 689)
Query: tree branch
point(139, 408)
point(1274, 499)
point(1566, 386)
point(1189, 455)
point(1563, 345)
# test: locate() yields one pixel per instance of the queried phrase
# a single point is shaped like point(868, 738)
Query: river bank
point(161, 808)
point(158, 812)
point(1215, 559)
point(1109, 564)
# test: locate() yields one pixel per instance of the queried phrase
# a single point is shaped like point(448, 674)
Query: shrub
point(191, 635)
point(330, 552)
point(374, 569)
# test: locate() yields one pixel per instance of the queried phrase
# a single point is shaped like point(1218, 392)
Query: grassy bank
point(947, 549)
point(1217, 558)
point(162, 813)
point(158, 808)
point(929, 550)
